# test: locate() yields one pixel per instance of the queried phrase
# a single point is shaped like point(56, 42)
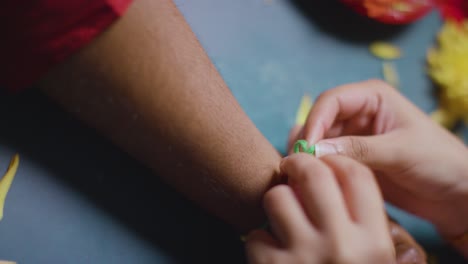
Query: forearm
point(148, 85)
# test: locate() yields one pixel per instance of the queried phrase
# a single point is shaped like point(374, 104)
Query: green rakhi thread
point(302, 146)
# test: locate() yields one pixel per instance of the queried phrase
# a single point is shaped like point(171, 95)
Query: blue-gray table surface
point(73, 201)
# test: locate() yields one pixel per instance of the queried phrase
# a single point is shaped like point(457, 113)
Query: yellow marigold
point(384, 50)
point(448, 68)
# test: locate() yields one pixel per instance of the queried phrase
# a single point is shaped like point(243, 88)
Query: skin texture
point(407, 250)
point(420, 166)
point(147, 84)
point(331, 211)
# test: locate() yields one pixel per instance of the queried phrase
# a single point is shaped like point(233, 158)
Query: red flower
point(392, 11)
point(453, 9)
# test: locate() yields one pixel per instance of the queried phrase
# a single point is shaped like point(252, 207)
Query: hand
point(407, 250)
point(331, 211)
point(420, 166)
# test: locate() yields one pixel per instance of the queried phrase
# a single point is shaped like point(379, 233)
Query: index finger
point(342, 103)
point(318, 191)
point(360, 190)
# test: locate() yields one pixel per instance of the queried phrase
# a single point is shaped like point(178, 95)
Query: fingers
point(261, 247)
point(361, 102)
point(287, 218)
point(404, 199)
point(361, 193)
point(335, 189)
point(340, 218)
point(319, 191)
point(406, 249)
point(379, 152)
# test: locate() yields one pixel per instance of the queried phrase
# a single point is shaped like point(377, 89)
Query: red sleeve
point(38, 34)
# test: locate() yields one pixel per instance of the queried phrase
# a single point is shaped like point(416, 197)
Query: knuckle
point(358, 149)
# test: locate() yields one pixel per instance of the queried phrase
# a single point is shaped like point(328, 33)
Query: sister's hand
point(331, 211)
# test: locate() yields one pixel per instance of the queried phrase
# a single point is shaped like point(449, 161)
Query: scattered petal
point(303, 110)
point(385, 51)
point(5, 182)
point(390, 74)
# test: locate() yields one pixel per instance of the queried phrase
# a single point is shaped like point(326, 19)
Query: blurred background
point(72, 200)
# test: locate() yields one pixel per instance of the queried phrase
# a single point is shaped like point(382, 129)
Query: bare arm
point(147, 84)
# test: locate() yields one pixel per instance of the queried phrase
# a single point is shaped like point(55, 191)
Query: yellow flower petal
point(390, 74)
point(385, 51)
point(5, 182)
point(303, 110)
point(448, 68)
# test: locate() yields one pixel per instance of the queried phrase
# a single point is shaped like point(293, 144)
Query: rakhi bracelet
point(302, 146)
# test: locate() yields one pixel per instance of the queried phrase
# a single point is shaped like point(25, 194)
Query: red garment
point(38, 34)
point(453, 9)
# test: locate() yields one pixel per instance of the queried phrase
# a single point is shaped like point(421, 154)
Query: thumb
point(376, 152)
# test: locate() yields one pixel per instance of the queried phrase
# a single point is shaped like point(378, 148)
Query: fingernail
point(325, 148)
